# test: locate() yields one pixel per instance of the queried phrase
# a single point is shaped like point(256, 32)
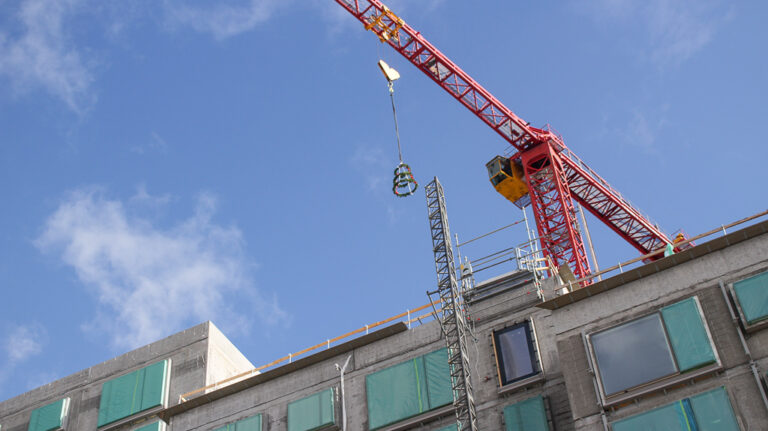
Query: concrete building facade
point(678, 343)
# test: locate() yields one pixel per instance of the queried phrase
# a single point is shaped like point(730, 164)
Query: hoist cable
point(394, 115)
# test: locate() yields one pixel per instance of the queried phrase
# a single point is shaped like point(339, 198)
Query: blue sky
point(166, 162)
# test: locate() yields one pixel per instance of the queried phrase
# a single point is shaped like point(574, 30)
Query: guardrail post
point(409, 318)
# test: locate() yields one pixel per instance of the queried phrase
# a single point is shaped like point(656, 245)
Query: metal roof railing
point(409, 320)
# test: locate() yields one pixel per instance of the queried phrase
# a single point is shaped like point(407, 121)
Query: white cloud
point(23, 342)
point(41, 56)
point(150, 280)
point(155, 143)
point(639, 133)
point(637, 128)
point(222, 19)
point(143, 198)
point(675, 29)
point(373, 165)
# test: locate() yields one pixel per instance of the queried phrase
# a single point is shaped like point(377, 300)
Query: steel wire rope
point(391, 88)
point(493, 264)
point(434, 311)
point(403, 176)
point(394, 115)
point(489, 233)
point(481, 259)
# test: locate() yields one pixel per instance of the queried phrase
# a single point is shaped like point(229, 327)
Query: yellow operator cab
point(508, 179)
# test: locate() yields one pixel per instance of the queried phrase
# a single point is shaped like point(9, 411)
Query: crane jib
point(555, 177)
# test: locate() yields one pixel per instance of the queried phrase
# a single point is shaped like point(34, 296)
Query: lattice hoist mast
point(543, 172)
point(452, 317)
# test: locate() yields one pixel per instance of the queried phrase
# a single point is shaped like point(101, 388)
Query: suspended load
point(403, 184)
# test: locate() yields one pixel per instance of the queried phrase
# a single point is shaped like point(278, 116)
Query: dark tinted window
point(515, 353)
point(632, 354)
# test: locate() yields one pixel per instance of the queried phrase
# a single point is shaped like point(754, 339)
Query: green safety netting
point(687, 335)
point(527, 415)
point(133, 393)
point(671, 417)
point(312, 412)
point(49, 417)
point(752, 294)
point(155, 426)
point(713, 411)
point(252, 423)
point(438, 378)
point(710, 411)
point(408, 389)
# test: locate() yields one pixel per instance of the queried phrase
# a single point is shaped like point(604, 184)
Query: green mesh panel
point(156, 426)
point(153, 386)
point(438, 378)
point(312, 412)
point(687, 335)
point(49, 417)
point(528, 415)
point(133, 393)
point(713, 411)
point(408, 389)
point(672, 417)
point(420, 371)
point(393, 394)
point(451, 427)
point(252, 423)
point(752, 294)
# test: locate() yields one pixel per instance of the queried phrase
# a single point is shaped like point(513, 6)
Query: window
point(752, 296)
point(516, 356)
point(157, 426)
point(527, 415)
point(710, 411)
point(134, 392)
point(408, 389)
point(50, 417)
point(313, 412)
point(671, 342)
point(252, 423)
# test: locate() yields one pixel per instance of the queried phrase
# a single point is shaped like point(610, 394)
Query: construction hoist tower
point(451, 315)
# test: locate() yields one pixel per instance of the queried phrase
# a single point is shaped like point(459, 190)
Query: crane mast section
point(552, 203)
point(414, 47)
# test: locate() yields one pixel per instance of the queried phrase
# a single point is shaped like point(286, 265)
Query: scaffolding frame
point(452, 316)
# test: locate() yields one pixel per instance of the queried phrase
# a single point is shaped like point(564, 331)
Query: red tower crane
point(543, 171)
